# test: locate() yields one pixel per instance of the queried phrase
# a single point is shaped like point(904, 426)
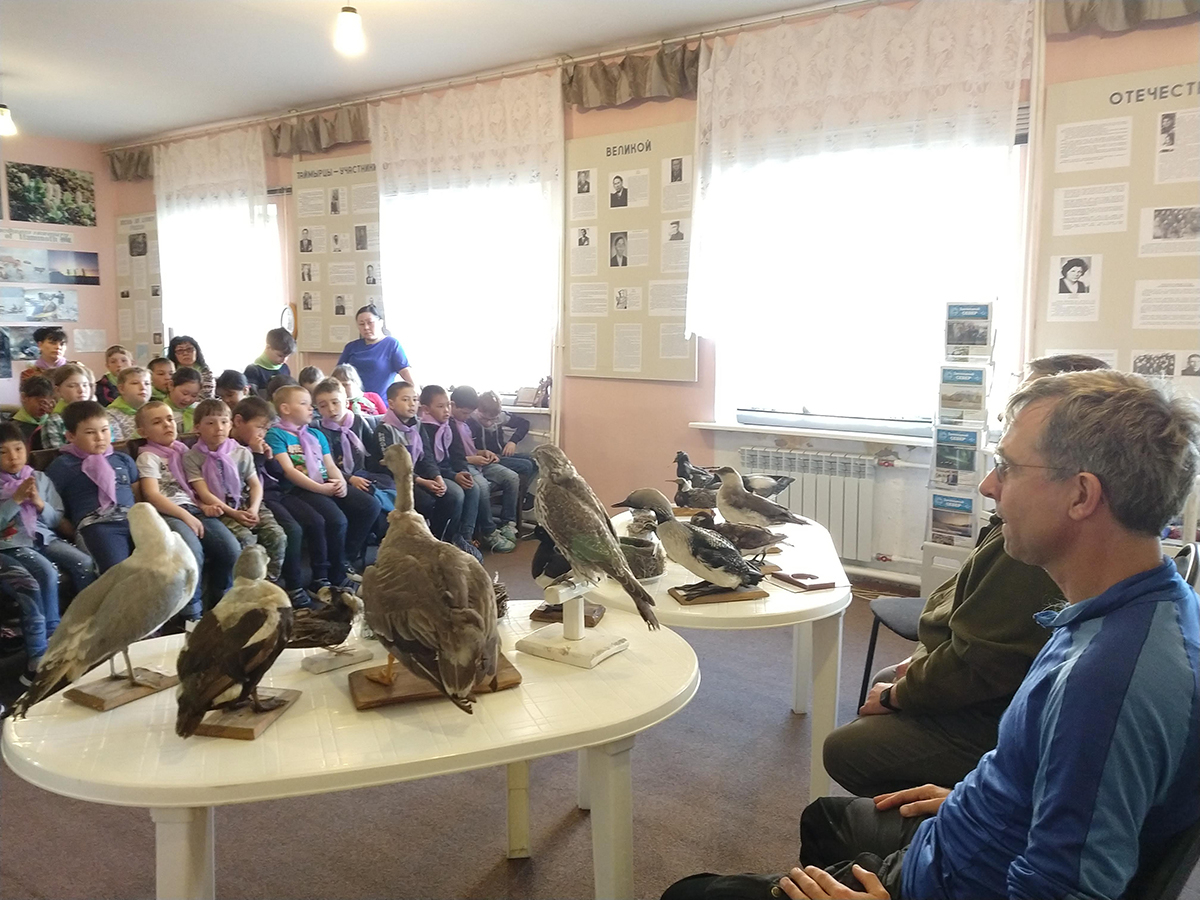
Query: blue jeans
point(521, 463)
point(71, 561)
point(444, 513)
point(509, 482)
point(216, 554)
point(44, 565)
point(108, 542)
point(298, 520)
point(348, 521)
point(38, 618)
point(481, 495)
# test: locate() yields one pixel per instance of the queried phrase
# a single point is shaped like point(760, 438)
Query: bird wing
point(715, 552)
point(405, 603)
point(580, 528)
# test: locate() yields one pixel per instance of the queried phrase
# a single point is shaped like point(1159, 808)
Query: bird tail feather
point(195, 698)
point(641, 597)
point(49, 679)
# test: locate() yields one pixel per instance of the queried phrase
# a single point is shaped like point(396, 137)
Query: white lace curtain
point(227, 169)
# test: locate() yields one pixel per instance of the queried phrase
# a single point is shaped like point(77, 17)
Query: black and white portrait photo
point(583, 181)
point(370, 277)
point(306, 241)
point(1073, 272)
point(620, 194)
point(360, 237)
point(306, 301)
point(337, 244)
point(125, 295)
point(583, 240)
point(156, 290)
point(622, 301)
point(335, 201)
point(306, 271)
point(339, 305)
point(138, 244)
point(676, 232)
point(618, 242)
point(677, 170)
point(1192, 368)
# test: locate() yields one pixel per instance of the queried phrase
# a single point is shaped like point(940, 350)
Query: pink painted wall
point(1095, 55)
point(97, 303)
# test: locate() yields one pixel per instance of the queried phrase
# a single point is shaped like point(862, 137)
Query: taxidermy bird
point(700, 551)
point(328, 626)
point(577, 521)
point(129, 601)
point(641, 523)
point(747, 538)
point(234, 645)
point(693, 498)
point(549, 566)
point(766, 485)
point(700, 478)
point(739, 506)
point(431, 605)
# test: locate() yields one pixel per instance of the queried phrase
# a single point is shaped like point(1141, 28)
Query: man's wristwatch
point(885, 699)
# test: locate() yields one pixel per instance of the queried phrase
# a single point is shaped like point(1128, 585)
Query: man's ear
point(1088, 496)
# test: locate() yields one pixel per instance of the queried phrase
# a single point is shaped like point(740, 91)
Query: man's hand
point(902, 667)
point(917, 801)
point(359, 482)
point(873, 707)
point(509, 449)
point(464, 480)
point(811, 883)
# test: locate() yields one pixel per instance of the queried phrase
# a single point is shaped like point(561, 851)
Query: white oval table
point(131, 756)
point(815, 618)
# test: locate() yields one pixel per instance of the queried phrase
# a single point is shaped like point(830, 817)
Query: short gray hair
point(1139, 437)
point(1063, 362)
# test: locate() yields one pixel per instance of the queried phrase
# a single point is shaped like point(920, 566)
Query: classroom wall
point(97, 303)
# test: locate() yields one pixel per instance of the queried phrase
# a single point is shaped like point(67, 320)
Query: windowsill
point(525, 410)
point(824, 434)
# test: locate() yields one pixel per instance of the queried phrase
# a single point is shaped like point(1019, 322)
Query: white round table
point(815, 618)
point(131, 756)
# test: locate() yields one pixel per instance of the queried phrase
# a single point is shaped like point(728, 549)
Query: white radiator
point(835, 489)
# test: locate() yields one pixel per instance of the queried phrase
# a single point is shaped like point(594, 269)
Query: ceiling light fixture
point(348, 37)
point(8, 127)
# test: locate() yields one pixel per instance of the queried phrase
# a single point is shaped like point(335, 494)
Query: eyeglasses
point(1001, 466)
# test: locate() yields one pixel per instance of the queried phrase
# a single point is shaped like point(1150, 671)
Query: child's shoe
point(300, 599)
point(498, 543)
point(509, 530)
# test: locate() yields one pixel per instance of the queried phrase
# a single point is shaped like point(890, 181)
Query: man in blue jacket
point(1095, 768)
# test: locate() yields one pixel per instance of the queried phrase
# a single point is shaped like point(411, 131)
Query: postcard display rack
point(957, 464)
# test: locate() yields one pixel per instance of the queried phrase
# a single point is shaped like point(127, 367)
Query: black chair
point(1187, 561)
point(1164, 877)
point(901, 615)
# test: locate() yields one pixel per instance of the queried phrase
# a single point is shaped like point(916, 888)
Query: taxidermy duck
point(575, 518)
point(549, 566)
point(747, 538)
point(700, 551)
point(431, 605)
point(329, 625)
point(739, 506)
point(700, 478)
point(131, 600)
point(693, 498)
point(234, 645)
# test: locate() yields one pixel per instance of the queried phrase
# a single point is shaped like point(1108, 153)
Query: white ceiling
point(108, 71)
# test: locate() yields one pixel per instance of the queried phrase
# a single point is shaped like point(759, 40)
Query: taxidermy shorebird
point(699, 478)
point(431, 605)
point(747, 538)
point(738, 505)
point(549, 565)
point(128, 602)
point(328, 626)
point(693, 498)
point(576, 519)
point(234, 645)
point(700, 551)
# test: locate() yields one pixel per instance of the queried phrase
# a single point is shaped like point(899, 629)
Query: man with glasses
point(1094, 773)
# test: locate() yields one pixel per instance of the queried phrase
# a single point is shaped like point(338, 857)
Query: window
point(827, 276)
point(471, 277)
point(222, 280)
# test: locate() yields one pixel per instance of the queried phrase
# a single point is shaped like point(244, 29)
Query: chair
point(1164, 877)
point(901, 615)
point(1187, 561)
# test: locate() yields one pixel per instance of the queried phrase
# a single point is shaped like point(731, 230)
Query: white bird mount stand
point(568, 642)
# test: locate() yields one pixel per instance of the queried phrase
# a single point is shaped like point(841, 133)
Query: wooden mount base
point(592, 613)
point(719, 597)
point(243, 723)
point(407, 686)
point(112, 691)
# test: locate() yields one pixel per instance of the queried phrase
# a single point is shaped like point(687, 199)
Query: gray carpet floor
point(718, 787)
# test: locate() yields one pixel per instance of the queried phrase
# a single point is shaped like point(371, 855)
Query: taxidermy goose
point(747, 538)
point(739, 506)
point(576, 519)
point(328, 626)
point(131, 600)
point(700, 551)
point(693, 498)
point(549, 566)
point(234, 645)
point(431, 605)
point(700, 478)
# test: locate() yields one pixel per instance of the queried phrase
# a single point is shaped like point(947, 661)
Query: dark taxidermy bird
point(738, 505)
point(702, 552)
point(329, 625)
point(699, 478)
point(747, 538)
point(549, 566)
point(693, 498)
point(234, 645)
point(575, 518)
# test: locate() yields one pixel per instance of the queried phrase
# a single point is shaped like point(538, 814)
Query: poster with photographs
point(952, 520)
point(1156, 363)
point(1075, 288)
point(73, 267)
point(675, 237)
point(28, 264)
point(338, 265)
point(630, 188)
point(583, 251)
point(50, 194)
point(1169, 231)
point(1178, 155)
point(139, 286)
point(677, 184)
point(583, 195)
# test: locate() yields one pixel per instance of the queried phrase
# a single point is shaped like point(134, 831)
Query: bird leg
point(701, 589)
point(133, 679)
point(388, 675)
point(262, 706)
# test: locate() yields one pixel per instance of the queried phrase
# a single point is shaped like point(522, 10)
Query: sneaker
point(354, 577)
point(498, 543)
point(468, 547)
point(509, 530)
point(28, 676)
point(314, 591)
point(300, 599)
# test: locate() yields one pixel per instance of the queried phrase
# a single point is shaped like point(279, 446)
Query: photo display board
point(139, 287)
point(335, 216)
point(629, 229)
point(1119, 267)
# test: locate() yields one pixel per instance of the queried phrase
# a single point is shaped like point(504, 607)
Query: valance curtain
point(318, 132)
point(1070, 16)
point(134, 164)
point(470, 218)
point(668, 72)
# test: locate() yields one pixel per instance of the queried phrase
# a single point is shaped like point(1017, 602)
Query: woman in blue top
point(378, 357)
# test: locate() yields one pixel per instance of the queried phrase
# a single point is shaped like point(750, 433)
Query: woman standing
point(377, 356)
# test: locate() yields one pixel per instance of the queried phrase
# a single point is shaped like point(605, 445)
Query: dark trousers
point(348, 521)
point(443, 512)
point(835, 834)
point(108, 542)
point(299, 525)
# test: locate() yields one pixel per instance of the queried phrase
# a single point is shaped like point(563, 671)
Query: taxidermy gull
point(700, 551)
point(234, 645)
point(576, 519)
point(738, 505)
point(747, 538)
point(430, 604)
point(128, 602)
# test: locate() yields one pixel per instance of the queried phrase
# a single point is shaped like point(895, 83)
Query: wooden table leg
point(583, 795)
point(185, 867)
point(826, 666)
point(612, 819)
point(518, 810)
point(802, 667)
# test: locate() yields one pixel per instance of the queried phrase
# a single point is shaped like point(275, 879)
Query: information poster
point(336, 248)
point(139, 287)
point(628, 240)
